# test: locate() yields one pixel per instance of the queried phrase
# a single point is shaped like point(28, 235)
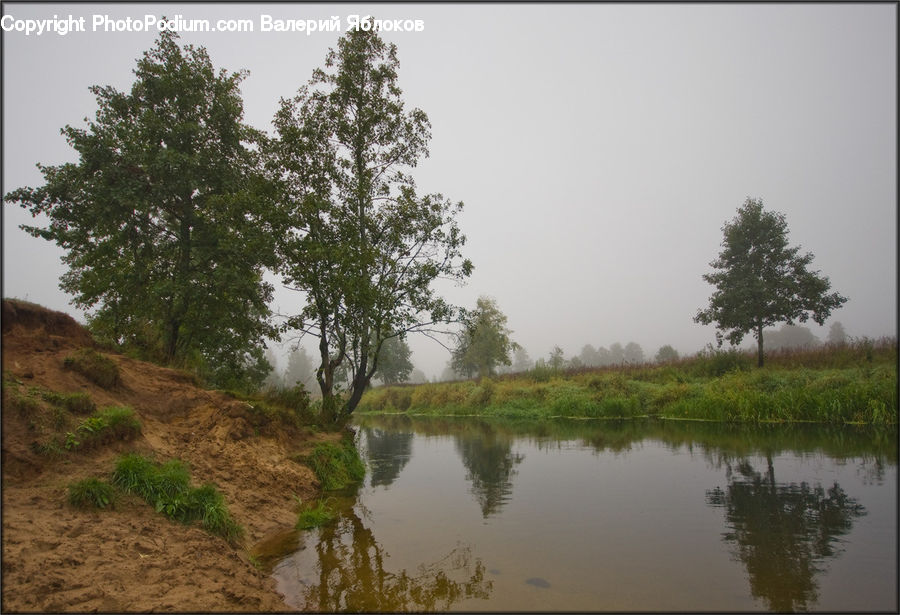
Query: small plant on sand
point(94, 366)
point(167, 488)
point(112, 423)
point(314, 516)
point(91, 492)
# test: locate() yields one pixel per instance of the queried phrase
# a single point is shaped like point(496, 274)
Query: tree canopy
point(358, 242)
point(484, 343)
point(394, 365)
point(761, 281)
point(164, 230)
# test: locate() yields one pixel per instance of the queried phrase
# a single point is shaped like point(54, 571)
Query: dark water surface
point(467, 514)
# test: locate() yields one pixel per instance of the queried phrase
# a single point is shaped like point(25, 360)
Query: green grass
point(314, 516)
point(167, 488)
point(855, 383)
point(336, 465)
point(76, 403)
point(278, 410)
point(107, 425)
point(94, 366)
point(91, 492)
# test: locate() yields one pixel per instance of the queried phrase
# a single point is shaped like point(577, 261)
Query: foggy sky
point(599, 149)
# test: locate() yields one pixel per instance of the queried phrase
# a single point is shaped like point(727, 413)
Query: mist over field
point(599, 149)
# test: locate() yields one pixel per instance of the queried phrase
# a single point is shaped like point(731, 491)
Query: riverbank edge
point(859, 394)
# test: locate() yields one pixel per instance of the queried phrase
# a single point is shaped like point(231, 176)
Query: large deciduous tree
point(160, 218)
point(360, 245)
point(761, 281)
point(484, 342)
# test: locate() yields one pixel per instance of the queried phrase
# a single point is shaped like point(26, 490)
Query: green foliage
point(484, 343)
point(76, 403)
point(112, 423)
point(843, 387)
point(394, 365)
point(336, 465)
point(314, 516)
point(163, 217)
point(358, 241)
point(91, 492)
point(278, 409)
point(760, 281)
point(167, 488)
point(666, 353)
point(715, 362)
point(94, 366)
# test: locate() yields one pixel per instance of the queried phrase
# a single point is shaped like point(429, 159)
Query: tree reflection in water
point(490, 465)
point(387, 452)
point(783, 532)
point(350, 575)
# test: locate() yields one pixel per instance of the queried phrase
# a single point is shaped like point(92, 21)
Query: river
point(469, 514)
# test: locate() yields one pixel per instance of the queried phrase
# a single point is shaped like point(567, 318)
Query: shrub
point(91, 492)
point(94, 366)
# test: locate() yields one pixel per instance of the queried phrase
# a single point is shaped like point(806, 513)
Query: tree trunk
point(759, 343)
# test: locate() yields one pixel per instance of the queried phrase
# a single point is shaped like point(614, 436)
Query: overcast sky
point(598, 149)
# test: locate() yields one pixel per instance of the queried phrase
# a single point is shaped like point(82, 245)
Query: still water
point(466, 514)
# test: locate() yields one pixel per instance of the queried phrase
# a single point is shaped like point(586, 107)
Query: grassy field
point(852, 383)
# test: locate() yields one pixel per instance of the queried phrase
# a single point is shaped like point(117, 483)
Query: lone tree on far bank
point(484, 344)
point(760, 281)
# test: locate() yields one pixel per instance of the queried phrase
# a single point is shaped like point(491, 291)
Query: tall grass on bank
point(854, 383)
point(166, 487)
point(336, 465)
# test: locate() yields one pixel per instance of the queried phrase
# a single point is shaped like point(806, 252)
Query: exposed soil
point(130, 558)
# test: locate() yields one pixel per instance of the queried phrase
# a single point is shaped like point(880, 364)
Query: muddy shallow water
point(466, 514)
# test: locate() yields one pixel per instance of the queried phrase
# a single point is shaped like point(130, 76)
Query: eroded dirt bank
point(59, 558)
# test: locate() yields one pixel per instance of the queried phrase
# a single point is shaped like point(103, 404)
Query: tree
point(589, 356)
point(273, 379)
point(393, 361)
point(836, 334)
point(666, 353)
point(484, 342)
point(791, 336)
point(358, 242)
point(300, 370)
point(760, 281)
point(634, 353)
point(521, 361)
point(417, 376)
point(616, 354)
point(162, 218)
point(557, 359)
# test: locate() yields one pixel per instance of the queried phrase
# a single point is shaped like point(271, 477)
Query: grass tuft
point(336, 466)
point(314, 516)
point(167, 488)
point(76, 403)
point(91, 492)
point(112, 423)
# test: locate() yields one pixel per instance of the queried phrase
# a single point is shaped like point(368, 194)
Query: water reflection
point(346, 572)
point(388, 452)
point(783, 532)
point(490, 465)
